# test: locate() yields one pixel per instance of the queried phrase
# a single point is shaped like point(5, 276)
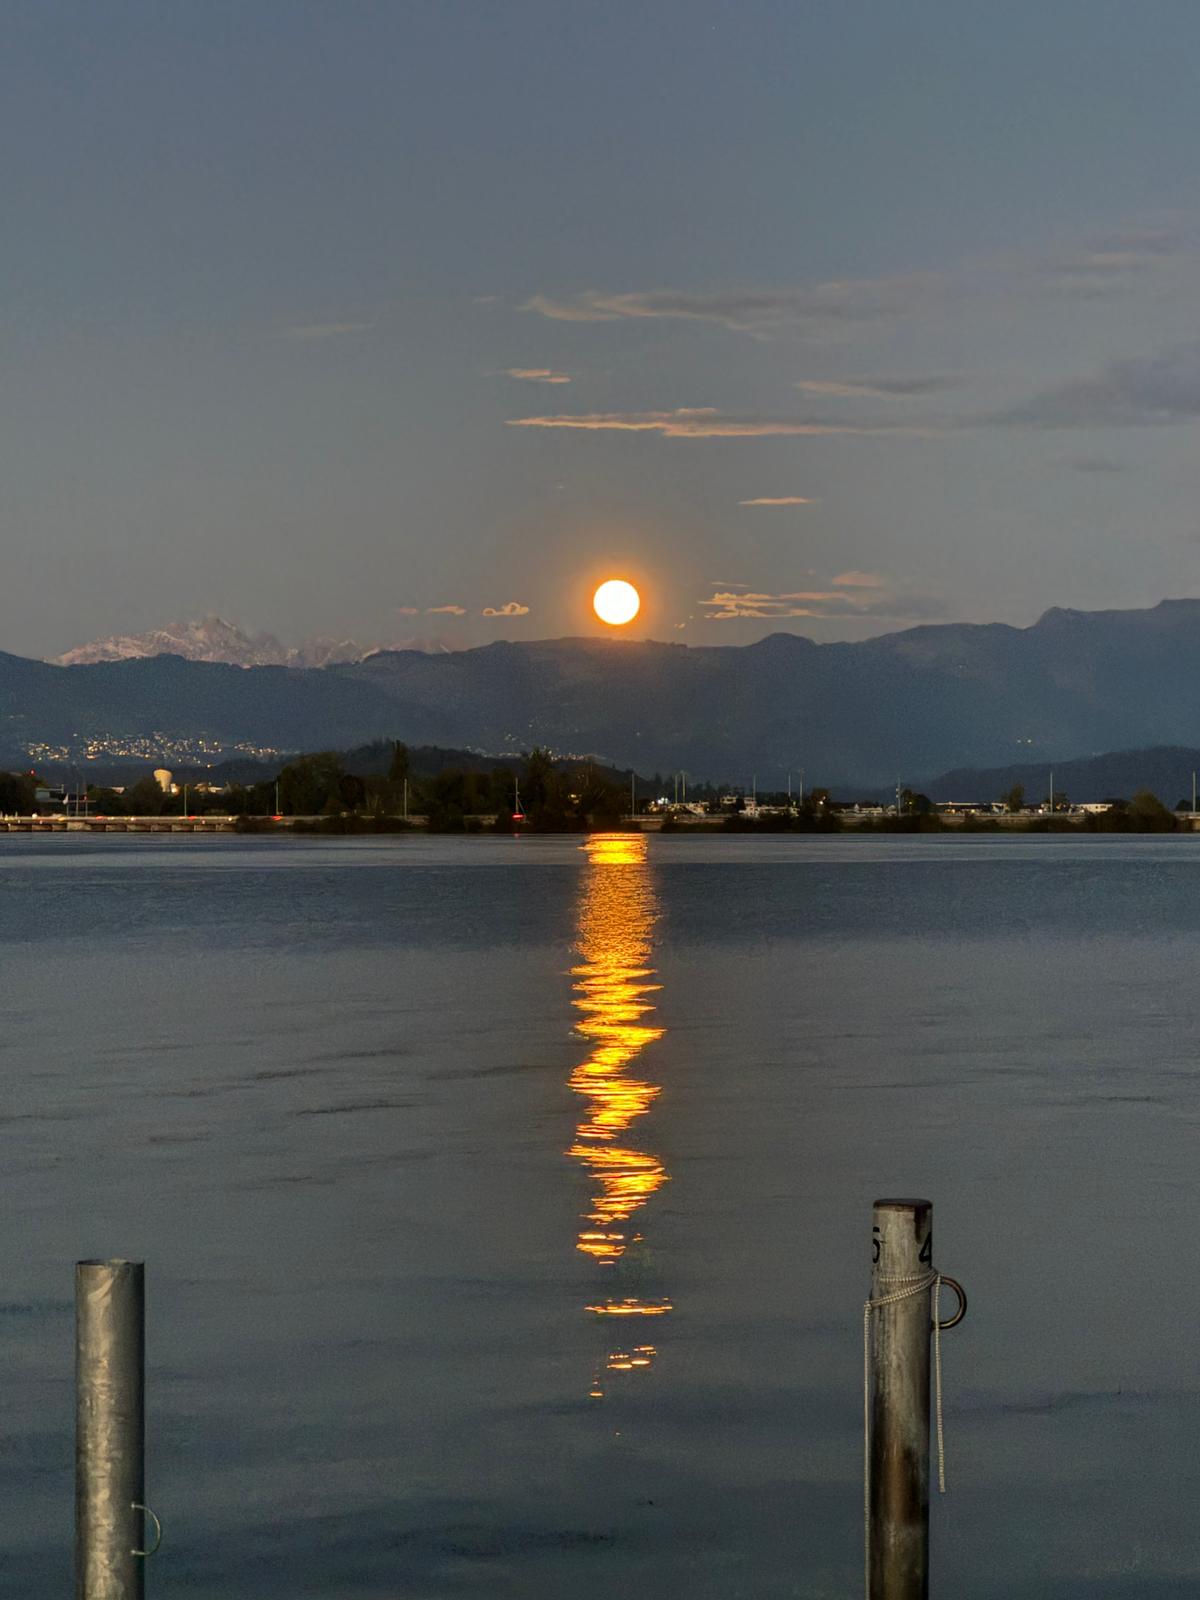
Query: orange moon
point(616, 602)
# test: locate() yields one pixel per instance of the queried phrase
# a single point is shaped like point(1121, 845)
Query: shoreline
point(839, 827)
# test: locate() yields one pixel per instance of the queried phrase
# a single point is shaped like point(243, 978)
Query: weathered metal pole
point(110, 1347)
point(899, 1458)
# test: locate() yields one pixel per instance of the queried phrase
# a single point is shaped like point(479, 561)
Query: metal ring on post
point(954, 1321)
point(137, 1506)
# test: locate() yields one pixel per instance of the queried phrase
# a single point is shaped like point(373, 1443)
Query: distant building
point(59, 801)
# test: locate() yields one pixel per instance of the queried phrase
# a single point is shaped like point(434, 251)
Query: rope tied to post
point(904, 1287)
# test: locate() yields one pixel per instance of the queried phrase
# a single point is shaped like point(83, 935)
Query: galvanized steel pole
point(109, 1429)
point(899, 1462)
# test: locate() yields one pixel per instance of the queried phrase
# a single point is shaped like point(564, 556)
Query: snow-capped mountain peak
point(215, 639)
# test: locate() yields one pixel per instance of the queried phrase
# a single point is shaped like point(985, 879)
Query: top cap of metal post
point(113, 1261)
point(904, 1205)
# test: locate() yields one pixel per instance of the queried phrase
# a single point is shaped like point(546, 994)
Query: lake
point(506, 1204)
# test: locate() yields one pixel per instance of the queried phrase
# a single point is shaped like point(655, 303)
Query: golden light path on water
point(614, 981)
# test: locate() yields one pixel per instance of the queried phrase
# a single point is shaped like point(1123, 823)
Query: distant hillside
point(424, 761)
point(368, 760)
point(163, 706)
point(923, 700)
point(1166, 770)
point(853, 715)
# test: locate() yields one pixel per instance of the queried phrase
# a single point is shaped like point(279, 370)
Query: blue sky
point(324, 316)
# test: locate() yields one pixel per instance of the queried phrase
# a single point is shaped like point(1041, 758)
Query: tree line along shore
point(379, 789)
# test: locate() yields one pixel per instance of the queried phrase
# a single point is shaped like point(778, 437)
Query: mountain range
point(1166, 770)
point(214, 639)
point(900, 706)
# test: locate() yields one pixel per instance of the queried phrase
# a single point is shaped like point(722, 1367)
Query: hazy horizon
point(443, 643)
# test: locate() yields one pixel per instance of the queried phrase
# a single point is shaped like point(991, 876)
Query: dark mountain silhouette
point(923, 701)
point(368, 760)
point(1166, 770)
point(165, 698)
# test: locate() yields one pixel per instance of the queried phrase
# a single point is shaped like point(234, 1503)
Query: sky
point(416, 320)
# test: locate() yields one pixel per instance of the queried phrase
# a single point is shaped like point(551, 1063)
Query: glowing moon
point(616, 602)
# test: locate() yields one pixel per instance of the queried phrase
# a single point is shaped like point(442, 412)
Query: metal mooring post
point(899, 1321)
point(110, 1342)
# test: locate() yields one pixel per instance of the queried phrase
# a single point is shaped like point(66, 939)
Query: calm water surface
point(506, 1204)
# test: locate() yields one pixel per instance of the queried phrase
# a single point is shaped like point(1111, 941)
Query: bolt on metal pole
point(899, 1459)
point(110, 1343)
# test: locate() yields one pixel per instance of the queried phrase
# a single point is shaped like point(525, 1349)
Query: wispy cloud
point(874, 388)
point(312, 332)
point(706, 422)
point(835, 302)
point(858, 580)
point(408, 611)
point(778, 500)
point(736, 603)
point(1153, 391)
point(445, 611)
point(1083, 267)
point(1108, 264)
point(510, 608)
point(725, 604)
point(537, 374)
